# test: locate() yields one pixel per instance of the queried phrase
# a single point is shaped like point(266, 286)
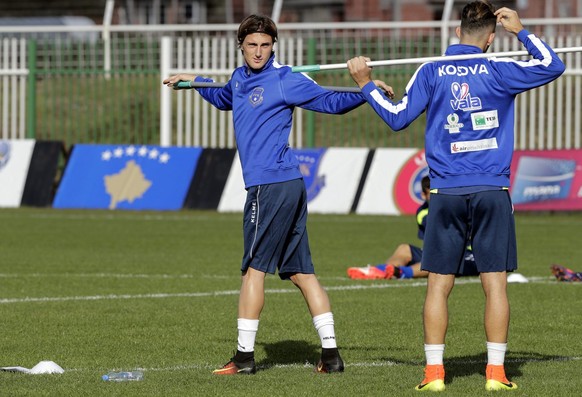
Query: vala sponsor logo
point(453, 70)
point(256, 97)
point(474, 146)
point(453, 123)
point(463, 99)
point(485, 120)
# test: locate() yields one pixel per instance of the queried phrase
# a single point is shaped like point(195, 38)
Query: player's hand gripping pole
point(335, 66)
point(195, 84)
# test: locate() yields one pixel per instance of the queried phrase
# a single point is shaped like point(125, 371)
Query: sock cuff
point(497, 346)
point(406, 272)
point(245, 324)
point(434, 348)
point(322, 320)
point(434, 354)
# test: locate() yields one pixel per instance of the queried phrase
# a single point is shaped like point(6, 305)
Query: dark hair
point(425, 184)
point(256, 24)
point(478, 16)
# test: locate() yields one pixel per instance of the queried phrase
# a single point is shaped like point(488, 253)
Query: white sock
point(496, 353)
point(247, 332)
point(434, 354)
point(323, 323)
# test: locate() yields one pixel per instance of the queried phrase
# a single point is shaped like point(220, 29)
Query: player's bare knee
point(404, 250)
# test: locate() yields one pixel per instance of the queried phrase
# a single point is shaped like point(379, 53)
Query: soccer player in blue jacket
point(469, 142)
point(262, 95)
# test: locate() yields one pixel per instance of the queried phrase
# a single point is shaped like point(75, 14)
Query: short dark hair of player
point(478, 17)
point(256, 24)
point(425, 184)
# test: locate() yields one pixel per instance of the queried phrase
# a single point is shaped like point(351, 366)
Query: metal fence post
point(165, 93)
point(31, 91)
point(310, 116)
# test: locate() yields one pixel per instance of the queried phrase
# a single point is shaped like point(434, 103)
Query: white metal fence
point(547, 118)
point(13, 74)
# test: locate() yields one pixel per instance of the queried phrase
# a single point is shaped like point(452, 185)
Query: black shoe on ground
point(236, 367)
point(330, 362)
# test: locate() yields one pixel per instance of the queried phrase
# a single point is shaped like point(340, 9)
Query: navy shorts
point(275, 231)
point(468, 267)
point(416, 253)
point(487, 216)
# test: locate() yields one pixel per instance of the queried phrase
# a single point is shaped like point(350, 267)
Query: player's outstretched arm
point(173, 80)
point(509, 19)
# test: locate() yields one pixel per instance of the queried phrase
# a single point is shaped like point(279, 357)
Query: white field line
point(365, 364)
point(354, 287)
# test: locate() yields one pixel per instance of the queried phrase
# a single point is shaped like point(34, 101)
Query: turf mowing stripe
point(468, 280)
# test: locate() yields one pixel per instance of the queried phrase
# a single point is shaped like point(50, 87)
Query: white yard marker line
point(356, 287)
point(365, 364)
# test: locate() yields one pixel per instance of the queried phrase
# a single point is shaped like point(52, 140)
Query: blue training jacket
point(470, 110)
point(262, 102)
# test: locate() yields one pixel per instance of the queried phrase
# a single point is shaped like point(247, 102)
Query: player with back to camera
point(469, 140)
point(262, 95)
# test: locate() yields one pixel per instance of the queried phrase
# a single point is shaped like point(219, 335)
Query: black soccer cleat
point(236, 368)
point(330, 363)
point(240, 364)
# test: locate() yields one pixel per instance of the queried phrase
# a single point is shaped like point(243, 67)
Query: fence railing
point(79, 85)
point(13, 75)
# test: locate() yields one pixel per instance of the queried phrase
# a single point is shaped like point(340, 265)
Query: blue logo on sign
point(540, 179)
point(4, 153)
point(309, 160)
point(256, 97)
point(127, 177)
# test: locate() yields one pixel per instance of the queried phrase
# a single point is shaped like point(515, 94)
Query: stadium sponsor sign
point(15, 158)
point(392, 186)
point(547, 180)
point(331, 175)
point(127, 177)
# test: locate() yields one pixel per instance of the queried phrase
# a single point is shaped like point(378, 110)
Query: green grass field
point(96, 291)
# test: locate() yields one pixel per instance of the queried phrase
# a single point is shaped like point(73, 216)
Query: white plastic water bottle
point(123, 376)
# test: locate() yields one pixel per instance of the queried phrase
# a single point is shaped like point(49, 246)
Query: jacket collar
point(457, 49)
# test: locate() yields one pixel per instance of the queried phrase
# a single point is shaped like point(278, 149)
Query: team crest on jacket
point(256, 97)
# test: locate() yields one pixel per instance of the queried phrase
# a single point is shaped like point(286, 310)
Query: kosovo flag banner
point(127, 177)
